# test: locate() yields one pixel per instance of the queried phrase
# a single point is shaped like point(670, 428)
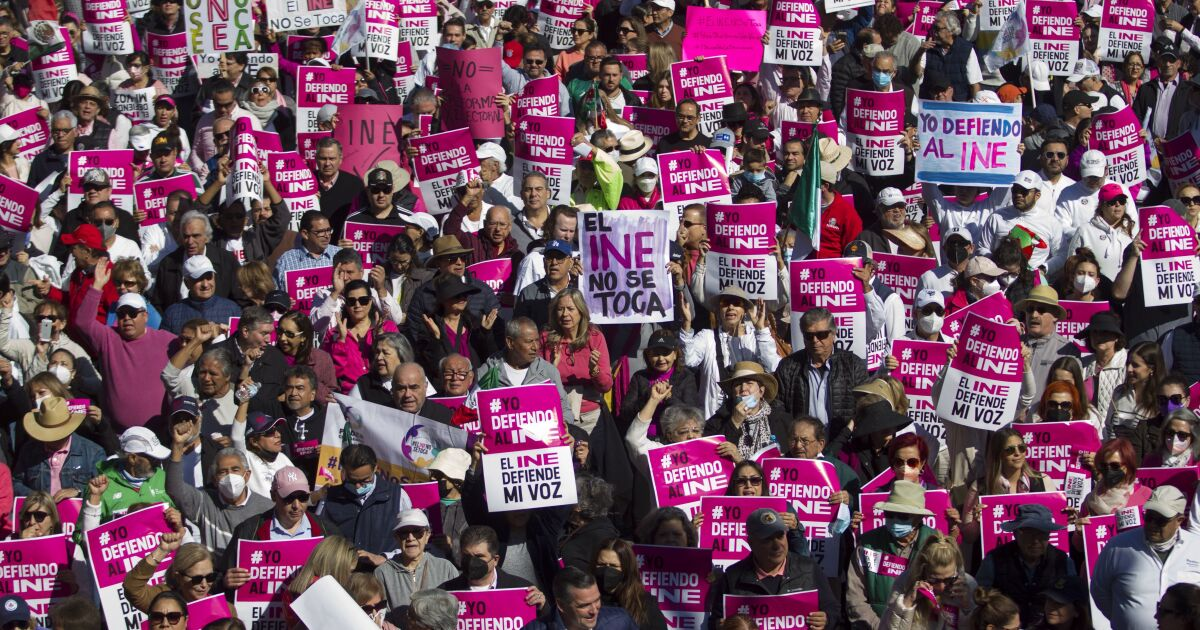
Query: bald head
point(408, 387)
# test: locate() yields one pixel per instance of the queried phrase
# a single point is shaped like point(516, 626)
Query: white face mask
point(1178, 446)
point(990, 288)
point(1085, 283)
point(647, 184)
point(231, 487)
point(929, 324)
point(61, 373)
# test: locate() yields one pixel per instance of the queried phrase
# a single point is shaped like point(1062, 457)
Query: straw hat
point(53, 421)
point(906, 497)
point(751, 371)
point(1043, 294)
point(447, 245)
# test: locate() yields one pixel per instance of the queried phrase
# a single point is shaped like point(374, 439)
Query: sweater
point(130, 368)
point(215, 518)
point(574, 368)
point(399, 583)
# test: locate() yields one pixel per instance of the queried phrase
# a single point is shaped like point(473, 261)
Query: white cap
point(451, 462)
point(1095, 11)
point(666, 4)
point(411, 518)
point(1039, 76)
point(140, 137)
point(8, 134)
point(134, 300)
point(491, 150)
point(889, 197)
point(1101, 100)
point(326, 113)
point(423, 220)
point(925, 297)
point(1083, 68)
point(197, 266)
point(645, 165)
point(1092, 164)
point(1028, 180)
point(142, 441)
point(987, 96)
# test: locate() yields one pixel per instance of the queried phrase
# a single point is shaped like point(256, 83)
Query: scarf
point(263, 113)
point(1110, 500)
point(665, 377)
point(756, 431)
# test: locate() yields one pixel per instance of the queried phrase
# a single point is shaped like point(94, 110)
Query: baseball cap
point(162, 145)
point(1166, 501)
point(1028, 180)
point(663, 338)
point(13, 608)
point(858, 249)
point(764, 523)
point(326, 113)
point(1111, 191)
point(1166, 48)
point(96, 177)
point(925, 297)
point(140, 137)
point(1075, 98)
point(278, 299)
point(423, 220)
point(1095, 11)
point(1082, 69)
point(411, 517)
point(563, 247)
point(258, 423)
point(889, 197)
point(1039, 76)
point(142, 441)
point(986, 96)
point(982, 265)
point(1045, 114)
point(1092, 163)
point(755, 129)
point(185, 405)
point(165, 100)
point(645, 165)
point(196, 266)
point(132, 300)
point(491, 150)
point(87, 235)
point(379, 178)
point(289, 480)
point(666, 4)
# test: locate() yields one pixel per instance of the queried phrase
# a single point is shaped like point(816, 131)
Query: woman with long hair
point(256, 281)
point(192, 574)
point(1134, 401)
point(935, 592)
point(358, 323)
point(583, 31)
point(994, 611)
point(659, 57)
point(615, 568)
point(38, 517)
point(1082, 280)
point(295, 339)
point(1115, 480)
point(12, 164)
point(1133, 72)
point(1062, 402)
point(580, 352)
point(451, 329)
point(662, 96)
point(631, 37)
point(668, 527)
point(334, 556)
point(1006, 468)
point(167, 611)
point(1179, 442)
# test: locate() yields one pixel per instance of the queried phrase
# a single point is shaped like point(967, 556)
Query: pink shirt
point(57, 460)
point(351, 356)
point(575, 370)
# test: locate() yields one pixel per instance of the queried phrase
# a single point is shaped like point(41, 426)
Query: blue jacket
point(611, 618)
point(368, 526)
point(214, 309)
point(32, 469)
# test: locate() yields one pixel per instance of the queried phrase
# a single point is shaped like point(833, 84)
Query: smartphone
point(45, 330)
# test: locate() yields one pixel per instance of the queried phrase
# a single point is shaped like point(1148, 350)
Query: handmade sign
point(117, 164)
point(217, 26)
point(971, 144)
point(300, 15)
point(735, 33)
point(624, 257)
point(371, 134)
point(470, 81)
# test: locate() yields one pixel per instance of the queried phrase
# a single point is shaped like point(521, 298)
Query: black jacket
point(683, 392)
point(481, 343)
point(579, 547)
point(542, 532)
point(1147, 97)
point(846, 371)
point(339, 201)
point(267, 371)
point(800, 574)
point(503, 580)
point(368, 526)
point(170, 276)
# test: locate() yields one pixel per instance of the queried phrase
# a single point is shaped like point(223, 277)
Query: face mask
point(475, 568)
point(787, 256)
point(756, 177)
point(1170, 407)
point(991, 288)
point(1058, 415)
point(362, 491)
point(231, 487)
point(608, 579)
point(751, 401)
point(897, 529)
point(1164, 546)
point(956, 253)
point(131, 480)
point(1178, 446)
point(61, 373)
point(1113, 478)
point(22, 91)
point(1005, 280)
point(929, 324)
point(1085, 283)
point(615, 154)
point(647, 184)
point(107, 231)
point(881, 79)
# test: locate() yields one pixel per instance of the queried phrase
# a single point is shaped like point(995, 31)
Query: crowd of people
point(149, 363)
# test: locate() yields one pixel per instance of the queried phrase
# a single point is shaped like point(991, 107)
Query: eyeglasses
point(1054, 155)
point(1114, 466)
point(414, 532)
point(296, 496)
point(36, 516)
point(203, 577)
point(816, 335)
point(1156, 519)
point(1190, 201)
point(61, 132)
point(457, 375)
point(911, 462)
point(534, 62)
point(1017, 448)
point(171, 618)
point(692, 224)
point(1182, 436)
point(221, 137)
point(99, 222)
point(1062, 404)
point(747, 481)
point(946, 581)
point(127, 282)
point(128, 313)
point(362, 300)
point(324, 232)
point(593, 59)
point(262, 89)
point(93, 187)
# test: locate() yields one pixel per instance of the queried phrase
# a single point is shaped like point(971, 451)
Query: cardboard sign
point(724, 527)
point(971, 144)
point(529, 479)
point(1169, 260)
point(874, 129)
point(33, 132)
point(706, 82)
point(543, 145)
point(169, 56)
point(919, 364)
point(498, 608)
point(217, 26)
point(677, 577)
point(370, 135)
point(654, 123)
point(470, 81)
point(418, 24)
point(108, 31)
point(983, 381)
point(685, 471)
point(302, 285)
point(794, 34)
point(37, 569)
point(687, 178)
point(295, 182)
point(830, 284)
point(440, 158)
point(1001, 508)
point(555, 19)
point(115, 548)
point(624, 258)
point(782, 612)
point(300, 15)
point(735, 33)
point(1125, 26)
point(742, 240)
point(371, 240)
point(1079, 314)
point(151, 196)
point(117, 163)
point(1054, 447)
point(1053, 36)
point(52, 72)
point(317, 86)
point(1118, 137)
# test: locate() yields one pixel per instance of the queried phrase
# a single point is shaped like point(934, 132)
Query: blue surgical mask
point(364, 490)
point(842, 522)
point(897, 529)
point(756, 177)
point(881, 79)
point(751, 401)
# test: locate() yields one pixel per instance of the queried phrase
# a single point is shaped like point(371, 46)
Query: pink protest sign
point(735, 33)
point(1001, 508)
point(169, 57)
point(151, 196)
point(1125, 26)
point(781, 612)
point(539, 97)
point(924, 16)
point(68, 509)
point(1183, 478)
point(245, 179)
point(302, 285)
point(830, 284)
point(450, 402)
point(687, 177)
point(1182, 164)
point(108, 30)
point(874, 129)
point(203, 611)
point(984, 379)
point(306, 145)
point(724, 527)
point(795, 130)
point(902, 274)
point(418, 23)
point(1097, 531)
point(808, 484)
point(1077, 318)
point(295, 182)
point(470, 81)
point(706, 82)
point(521, 418)
point(677, 577)
point(119, 166)
point(381, 22)
point(740, 254)
point(39, 569)
point(995, 307)
point(374, 132)
point(1053, 36)
point(317, 86)
point(271, 564)
point(371, 240)
point(18, 205)
point(543, 145)
point(115, 548)
point(654, 123)
point(1169, 260)
point(1118, 137)
point(636, 65)
point(498, 608)
point(52, 72)
point(794, 34)
point(266, 142)
point(33, 132)
point(1054, 447)
point(556, 18)
point(496, 273)
point(936, 501)
point(685, 471)
point(294, 48)
point(423, 495)
point(440, 158)
point(919, 364)
point(405, 78)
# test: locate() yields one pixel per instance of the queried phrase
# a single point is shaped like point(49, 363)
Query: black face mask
point(1113, 478)
point(1058, 415)
point(608, 579)
point(956, 253)
point(475, 568)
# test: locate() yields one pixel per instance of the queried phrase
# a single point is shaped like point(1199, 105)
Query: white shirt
point(953, 216)
point(1051, 191)
point(700, 351)
point(1161, 116)
point(1043, 224)
point(1105, 242)
point(1129, 579)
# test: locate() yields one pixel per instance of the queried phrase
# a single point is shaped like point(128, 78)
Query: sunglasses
point(1039, 310)
point(581, 31)
point(817, 335)
point(455, 258)
point(931, 309)
point(128, 313)
point(52, 318)
point(99, 222)
point(1117, 201)
point(1155, 519)
point(1016, 448)
point(911, 462)
point(94, 188)
point(362, 300)
point(1054, 155)
point(1182, 436)
point(221, 136)
point(266, 79)
point(946, 581)
point(381, 190)
point(1114, 466)
point(290, 334)
point(414, 532)
point(752, 481)
point(204, 577)
point(1175, 399)
point(36, 515)
point(171, 617)
point(296, 496)
point(1050, 404)
point(1190, 201)
point(372, 609)
point(260, 89)
point(625, 31)
point(1021, 190)
point(206, 276)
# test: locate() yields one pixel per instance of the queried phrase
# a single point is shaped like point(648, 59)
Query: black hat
point(1067, 590)
point(379, 177)
point(878, 417)
point(1164, 47)
point(1104, 321)
point(733, 113)
point(810, 95)
point(163, 144)
point(663, 338)
point(755, 129)
point(935, 82)
point(278, 299)
point(6, 239)
point(453, 288)
point(1075, 98)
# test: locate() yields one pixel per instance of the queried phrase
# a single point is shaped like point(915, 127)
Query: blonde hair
point(255, 279)
point(554, 336)
point(334, 556)
point(131, 268)
point(43, 500)
point(939, 551)
point(659, 57)
point(186, 557)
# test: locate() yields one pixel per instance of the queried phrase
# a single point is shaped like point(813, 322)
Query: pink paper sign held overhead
point(1053, 448)
point(654, 123)
point(740, 254)
point(685, 471)
point(496, 273)
point(371, 241)
point(1001, 508)
point(470, 81)
point(117, 164)
point(1125, 26)
point(794, 34)
point(1118, 137)
point(440, 158)
point(151, 196)
point(539, 97)
point(984, 379)
point(522, 417)
point(874, 129)
point(52, 72)
point(543, 145)
point(302, 285)
point(995, 307)
point(169, 58)
point(33, 132)
point(295, 182)
point(706, 82)
point(830, 284)
point(18, 205)
point(317, 86)
point(677, 577)
point(687, 177)
point(374, 132)
point(735, 33)
point(1169, 260)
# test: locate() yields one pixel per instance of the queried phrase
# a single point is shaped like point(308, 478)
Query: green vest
point(879, 587)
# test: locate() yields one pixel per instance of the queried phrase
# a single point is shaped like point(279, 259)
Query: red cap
point(1111, 191)
point(87, 235)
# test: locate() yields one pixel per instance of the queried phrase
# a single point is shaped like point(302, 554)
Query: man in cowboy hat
point(1039, 312)
point(90, 105)
point(54, 459)
point(749, 418)
point(449, 258)
point(892, 232)
point(1027, 565)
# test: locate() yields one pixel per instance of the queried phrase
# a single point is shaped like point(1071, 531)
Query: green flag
point(805, 213)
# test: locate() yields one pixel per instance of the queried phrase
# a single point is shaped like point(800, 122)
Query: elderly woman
point(295, 340)
point(358, 324)
point(1179, 442)
point(388, 352)
point(1115, 480)
point(579, 351)
point(748, 419)
point(167, 611)
point(588, 524)
point(677, 424)
point(433, 609)
point(454, 330)
point(38, 516)
point(129, 276)
point(665, 382)
point(667, 527)
point(31, 354)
